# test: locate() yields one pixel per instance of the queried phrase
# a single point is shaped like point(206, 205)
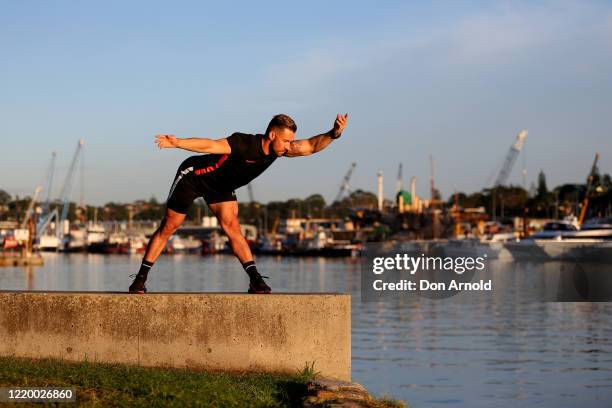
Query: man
point(231, 163)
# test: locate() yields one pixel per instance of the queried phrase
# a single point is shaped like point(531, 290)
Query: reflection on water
point(477, 351)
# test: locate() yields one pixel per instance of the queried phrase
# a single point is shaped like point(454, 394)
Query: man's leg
point(170, 223)
point(227, 214)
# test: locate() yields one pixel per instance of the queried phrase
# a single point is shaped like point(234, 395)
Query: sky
point(455, 80)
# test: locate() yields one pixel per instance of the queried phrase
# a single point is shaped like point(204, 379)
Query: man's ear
point(271, 135)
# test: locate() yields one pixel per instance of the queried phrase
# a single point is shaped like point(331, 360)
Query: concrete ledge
point(273, 333)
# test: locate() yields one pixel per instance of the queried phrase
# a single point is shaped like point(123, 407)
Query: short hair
point(281, 121)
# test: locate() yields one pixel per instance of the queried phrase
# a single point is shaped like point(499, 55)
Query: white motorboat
point(48, 243)
point(178, 244)
point(564, 240)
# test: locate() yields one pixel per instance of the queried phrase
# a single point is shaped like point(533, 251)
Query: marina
point(357, 218)
point(354, 219)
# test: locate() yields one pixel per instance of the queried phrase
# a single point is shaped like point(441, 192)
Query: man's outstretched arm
point(317, 143)
point(195, 144)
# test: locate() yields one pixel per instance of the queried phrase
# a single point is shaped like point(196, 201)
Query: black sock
point(145, 267)
point(250, 268)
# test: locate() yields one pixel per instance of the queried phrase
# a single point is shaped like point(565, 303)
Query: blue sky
point(454, 79)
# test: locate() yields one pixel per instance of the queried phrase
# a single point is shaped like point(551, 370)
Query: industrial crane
point(30, 209)
point(44, 215)
point(67, 188)
point(585, 202)
point(515, 149)
point(506, 168)
point(344, 187)
point(60, 218)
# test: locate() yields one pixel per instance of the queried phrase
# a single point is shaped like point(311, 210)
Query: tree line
point(504, 201)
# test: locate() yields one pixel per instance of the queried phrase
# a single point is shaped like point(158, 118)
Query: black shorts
point(184, 191)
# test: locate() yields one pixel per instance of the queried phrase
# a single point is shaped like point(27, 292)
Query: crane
point(42, 226)
point(344, 187)
point(49, 216)
point(30, 209)
point(44, 215)
point(515, 149)
point(64, 195)
point(585, 202)
point(67, 188)
point(504, 173)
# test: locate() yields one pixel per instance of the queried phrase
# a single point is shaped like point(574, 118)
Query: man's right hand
point(339, 125)
point(165, 141)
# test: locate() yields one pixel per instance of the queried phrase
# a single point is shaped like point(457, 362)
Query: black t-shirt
point(227, 172)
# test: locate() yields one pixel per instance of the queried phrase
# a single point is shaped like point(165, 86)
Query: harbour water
point(475, 351)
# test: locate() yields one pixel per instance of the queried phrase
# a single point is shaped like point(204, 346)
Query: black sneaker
point(257, 284)
point(138, 286)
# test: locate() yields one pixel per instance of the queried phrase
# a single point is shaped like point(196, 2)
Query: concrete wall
point(274, 333)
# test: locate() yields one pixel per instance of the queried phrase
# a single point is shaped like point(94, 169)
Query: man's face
point(280, 138)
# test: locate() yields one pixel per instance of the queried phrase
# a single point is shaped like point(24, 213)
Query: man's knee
point(169, 227)
point(230, 226)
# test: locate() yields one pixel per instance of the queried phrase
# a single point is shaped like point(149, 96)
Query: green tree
point(542, 189)
point(115, 212)
point(5, 197)
point(315, 206)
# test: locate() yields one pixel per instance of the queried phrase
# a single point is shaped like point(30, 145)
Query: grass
point(101, 385)
point(122, 386)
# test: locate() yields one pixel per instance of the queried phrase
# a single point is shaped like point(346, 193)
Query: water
point(478, 351)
